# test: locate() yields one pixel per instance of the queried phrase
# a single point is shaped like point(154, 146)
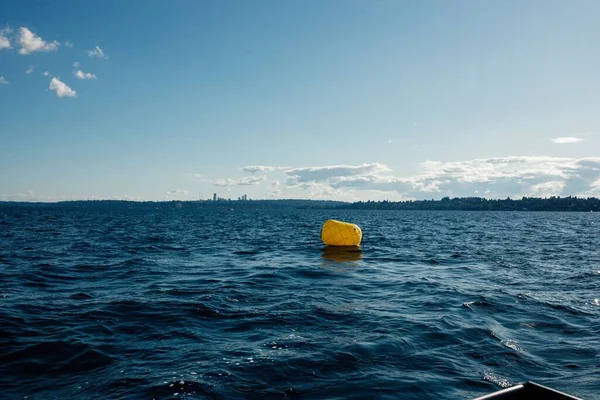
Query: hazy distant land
point(459, 203)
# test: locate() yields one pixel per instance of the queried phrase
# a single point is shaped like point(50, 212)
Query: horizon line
point(445, 198)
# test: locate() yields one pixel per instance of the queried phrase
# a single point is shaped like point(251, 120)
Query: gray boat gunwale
point(528, 391)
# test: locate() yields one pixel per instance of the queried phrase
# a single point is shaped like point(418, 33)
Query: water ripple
point(189, 303)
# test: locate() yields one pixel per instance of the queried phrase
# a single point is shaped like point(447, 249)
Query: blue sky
point(348, 100)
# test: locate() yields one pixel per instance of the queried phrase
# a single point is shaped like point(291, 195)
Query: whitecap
point(502, 382)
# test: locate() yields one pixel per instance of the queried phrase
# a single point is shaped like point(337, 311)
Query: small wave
point(183, 292)
point(343, 312)
point(246, 252)
point(157, 239)
point(130, 262)
point(496, 380)
point(55, 358)
point(474, 305)
point(511, 344)
point(164, 248)
point(569, 309)
point(37, 284)
point(155, 292)
point(80, 296)
point(584, 275)
point(206, 312)
point(182, 388)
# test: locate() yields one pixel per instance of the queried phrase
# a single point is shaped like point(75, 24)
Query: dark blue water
point(190, 303)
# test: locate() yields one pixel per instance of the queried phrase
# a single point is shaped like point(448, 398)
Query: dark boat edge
point(527, 391)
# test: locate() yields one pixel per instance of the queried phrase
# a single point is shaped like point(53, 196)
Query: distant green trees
point(480, 204)
point(459, 203)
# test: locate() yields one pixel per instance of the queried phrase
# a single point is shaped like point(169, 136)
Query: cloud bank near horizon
point(246, 181)
point(499, 177)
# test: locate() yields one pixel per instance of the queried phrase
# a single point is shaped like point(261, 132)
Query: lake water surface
point(226, 304)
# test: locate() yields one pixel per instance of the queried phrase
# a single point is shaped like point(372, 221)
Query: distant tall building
point(214, 197)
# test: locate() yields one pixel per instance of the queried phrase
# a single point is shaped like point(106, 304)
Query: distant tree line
point(457, 203)
point(177, 204)
point(480, 204)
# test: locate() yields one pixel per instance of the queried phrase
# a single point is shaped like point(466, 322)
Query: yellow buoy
point(338, 233)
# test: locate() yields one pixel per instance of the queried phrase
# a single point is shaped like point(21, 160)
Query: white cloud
point(4, 41)
point(260, 168)
point(504, 177)
point(485, 170)
point(84, 75)
point(274, 190)
point(31, 43)
point(3, 81)
point(76, 64)
point(32, 196)
point(46, 73)
point(316, 174)
point(68, 44)
point(97, 52)
point(196, 177)
point(246, 181)
point(565, 140)
point(320, 191)
point(176, 192)
point(547, 189)
point(61, 89)
point(22, 196)
point(493, 178)
point(125, 197)
point(30, 69)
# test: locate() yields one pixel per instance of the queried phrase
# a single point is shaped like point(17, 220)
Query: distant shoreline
point(444, 204)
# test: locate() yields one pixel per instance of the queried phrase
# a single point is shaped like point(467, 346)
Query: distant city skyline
point(216, 197)
point(343, 100)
